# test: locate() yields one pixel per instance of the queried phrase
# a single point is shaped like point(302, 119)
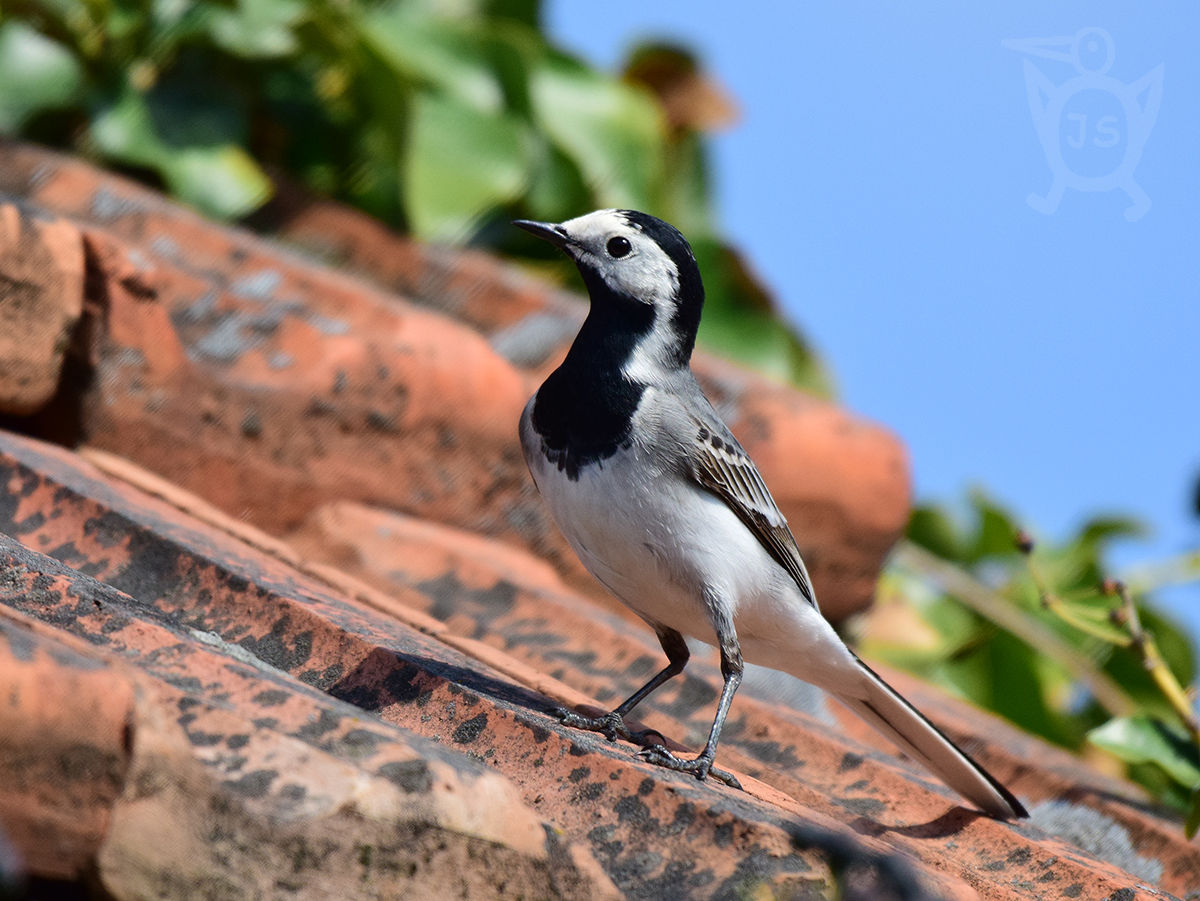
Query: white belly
point(666, 548)
point(638, 538)
point(655, 542)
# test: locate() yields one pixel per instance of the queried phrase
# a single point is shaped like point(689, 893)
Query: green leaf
point(994, 536)
point(125, 132)
point(934, 529)
point(222, 181)
point(1127, 669)
point(460, 164)
point(193, 108)
point(1192, 826)
point(613, 132)
point(36, 73)
point(437, 53)
point(1102, 529)
point(1023, 687)
point(1141, 739)
point(687, 195)
point(1173, 643)
point(512, 48)
point(528, 12)
point(257, 29)
point(176, 22)
point(557, 191)
point(958, 626)
point(1092, 622)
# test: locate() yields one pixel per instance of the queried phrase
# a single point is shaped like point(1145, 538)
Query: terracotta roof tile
point(43, 300)
point(808, 759)
point(263, 642)
point(268, 384)
point(195, 763)
point(212, 630)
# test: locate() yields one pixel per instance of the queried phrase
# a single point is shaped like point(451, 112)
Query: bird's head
point(641, 276)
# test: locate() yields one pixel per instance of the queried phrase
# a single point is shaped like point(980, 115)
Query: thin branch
point(1147, 649)
point(994, 607)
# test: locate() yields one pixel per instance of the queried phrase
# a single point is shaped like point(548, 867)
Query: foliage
point(1079, 639)
point(446, 124)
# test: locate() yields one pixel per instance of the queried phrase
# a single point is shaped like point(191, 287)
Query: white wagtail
point(667, 511)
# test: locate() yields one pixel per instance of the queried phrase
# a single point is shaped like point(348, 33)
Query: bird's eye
point(618, 247)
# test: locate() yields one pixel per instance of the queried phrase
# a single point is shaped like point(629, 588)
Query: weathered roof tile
point(220, 621)
point(352, 701)
point(268, 385)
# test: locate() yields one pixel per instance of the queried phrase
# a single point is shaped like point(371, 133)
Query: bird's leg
point(731, 671)
point(613, 724)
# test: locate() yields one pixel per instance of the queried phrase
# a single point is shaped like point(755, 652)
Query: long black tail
point(900, 722)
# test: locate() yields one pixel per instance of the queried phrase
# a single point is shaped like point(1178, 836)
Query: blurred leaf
point(557, 190)
point(123, 20)
point(374, 182)
point(955, 632)
point(1159, 785)
point(527, 12)
point(222, 181)
point(1173, 643)
point(1093, 622)
point(195, 108)
point(511, 49)
point(461, 163)
point(175, 24)
point(1125, 666)
point(1102, 529)
point(612, 131)
point(437, 52)
point(125, 132)
point(1174, 570)
point(36, 73)
point(996, 529)
point(932, 528)
point(693, 99)
point(167, 14)
point(257, 28)
point(687, 195)
point(1141, 739)
point(1192, 826)
point(1010, 678)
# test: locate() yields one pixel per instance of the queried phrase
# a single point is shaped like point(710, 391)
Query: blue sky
point(879, 181)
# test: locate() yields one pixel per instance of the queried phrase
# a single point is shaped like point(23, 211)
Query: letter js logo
point(1092, 127)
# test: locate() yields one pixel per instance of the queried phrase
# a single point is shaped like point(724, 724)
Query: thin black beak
point(547, 231)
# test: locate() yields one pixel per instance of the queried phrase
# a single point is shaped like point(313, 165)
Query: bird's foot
point(611, 726)
point(701, 767)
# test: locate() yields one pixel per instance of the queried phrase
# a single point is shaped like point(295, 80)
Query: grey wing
point(723, 467)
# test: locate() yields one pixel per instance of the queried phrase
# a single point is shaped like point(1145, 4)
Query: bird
point(667, 511)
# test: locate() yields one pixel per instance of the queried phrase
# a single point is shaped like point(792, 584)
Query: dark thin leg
point(731, 671)
point(613, 724)
point(678, 655)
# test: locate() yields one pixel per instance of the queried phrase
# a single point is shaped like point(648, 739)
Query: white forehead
point(646, 273)
point(600, 225)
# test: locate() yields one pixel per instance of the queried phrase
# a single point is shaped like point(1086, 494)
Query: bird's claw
point(701, 767)
point(611, 726)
